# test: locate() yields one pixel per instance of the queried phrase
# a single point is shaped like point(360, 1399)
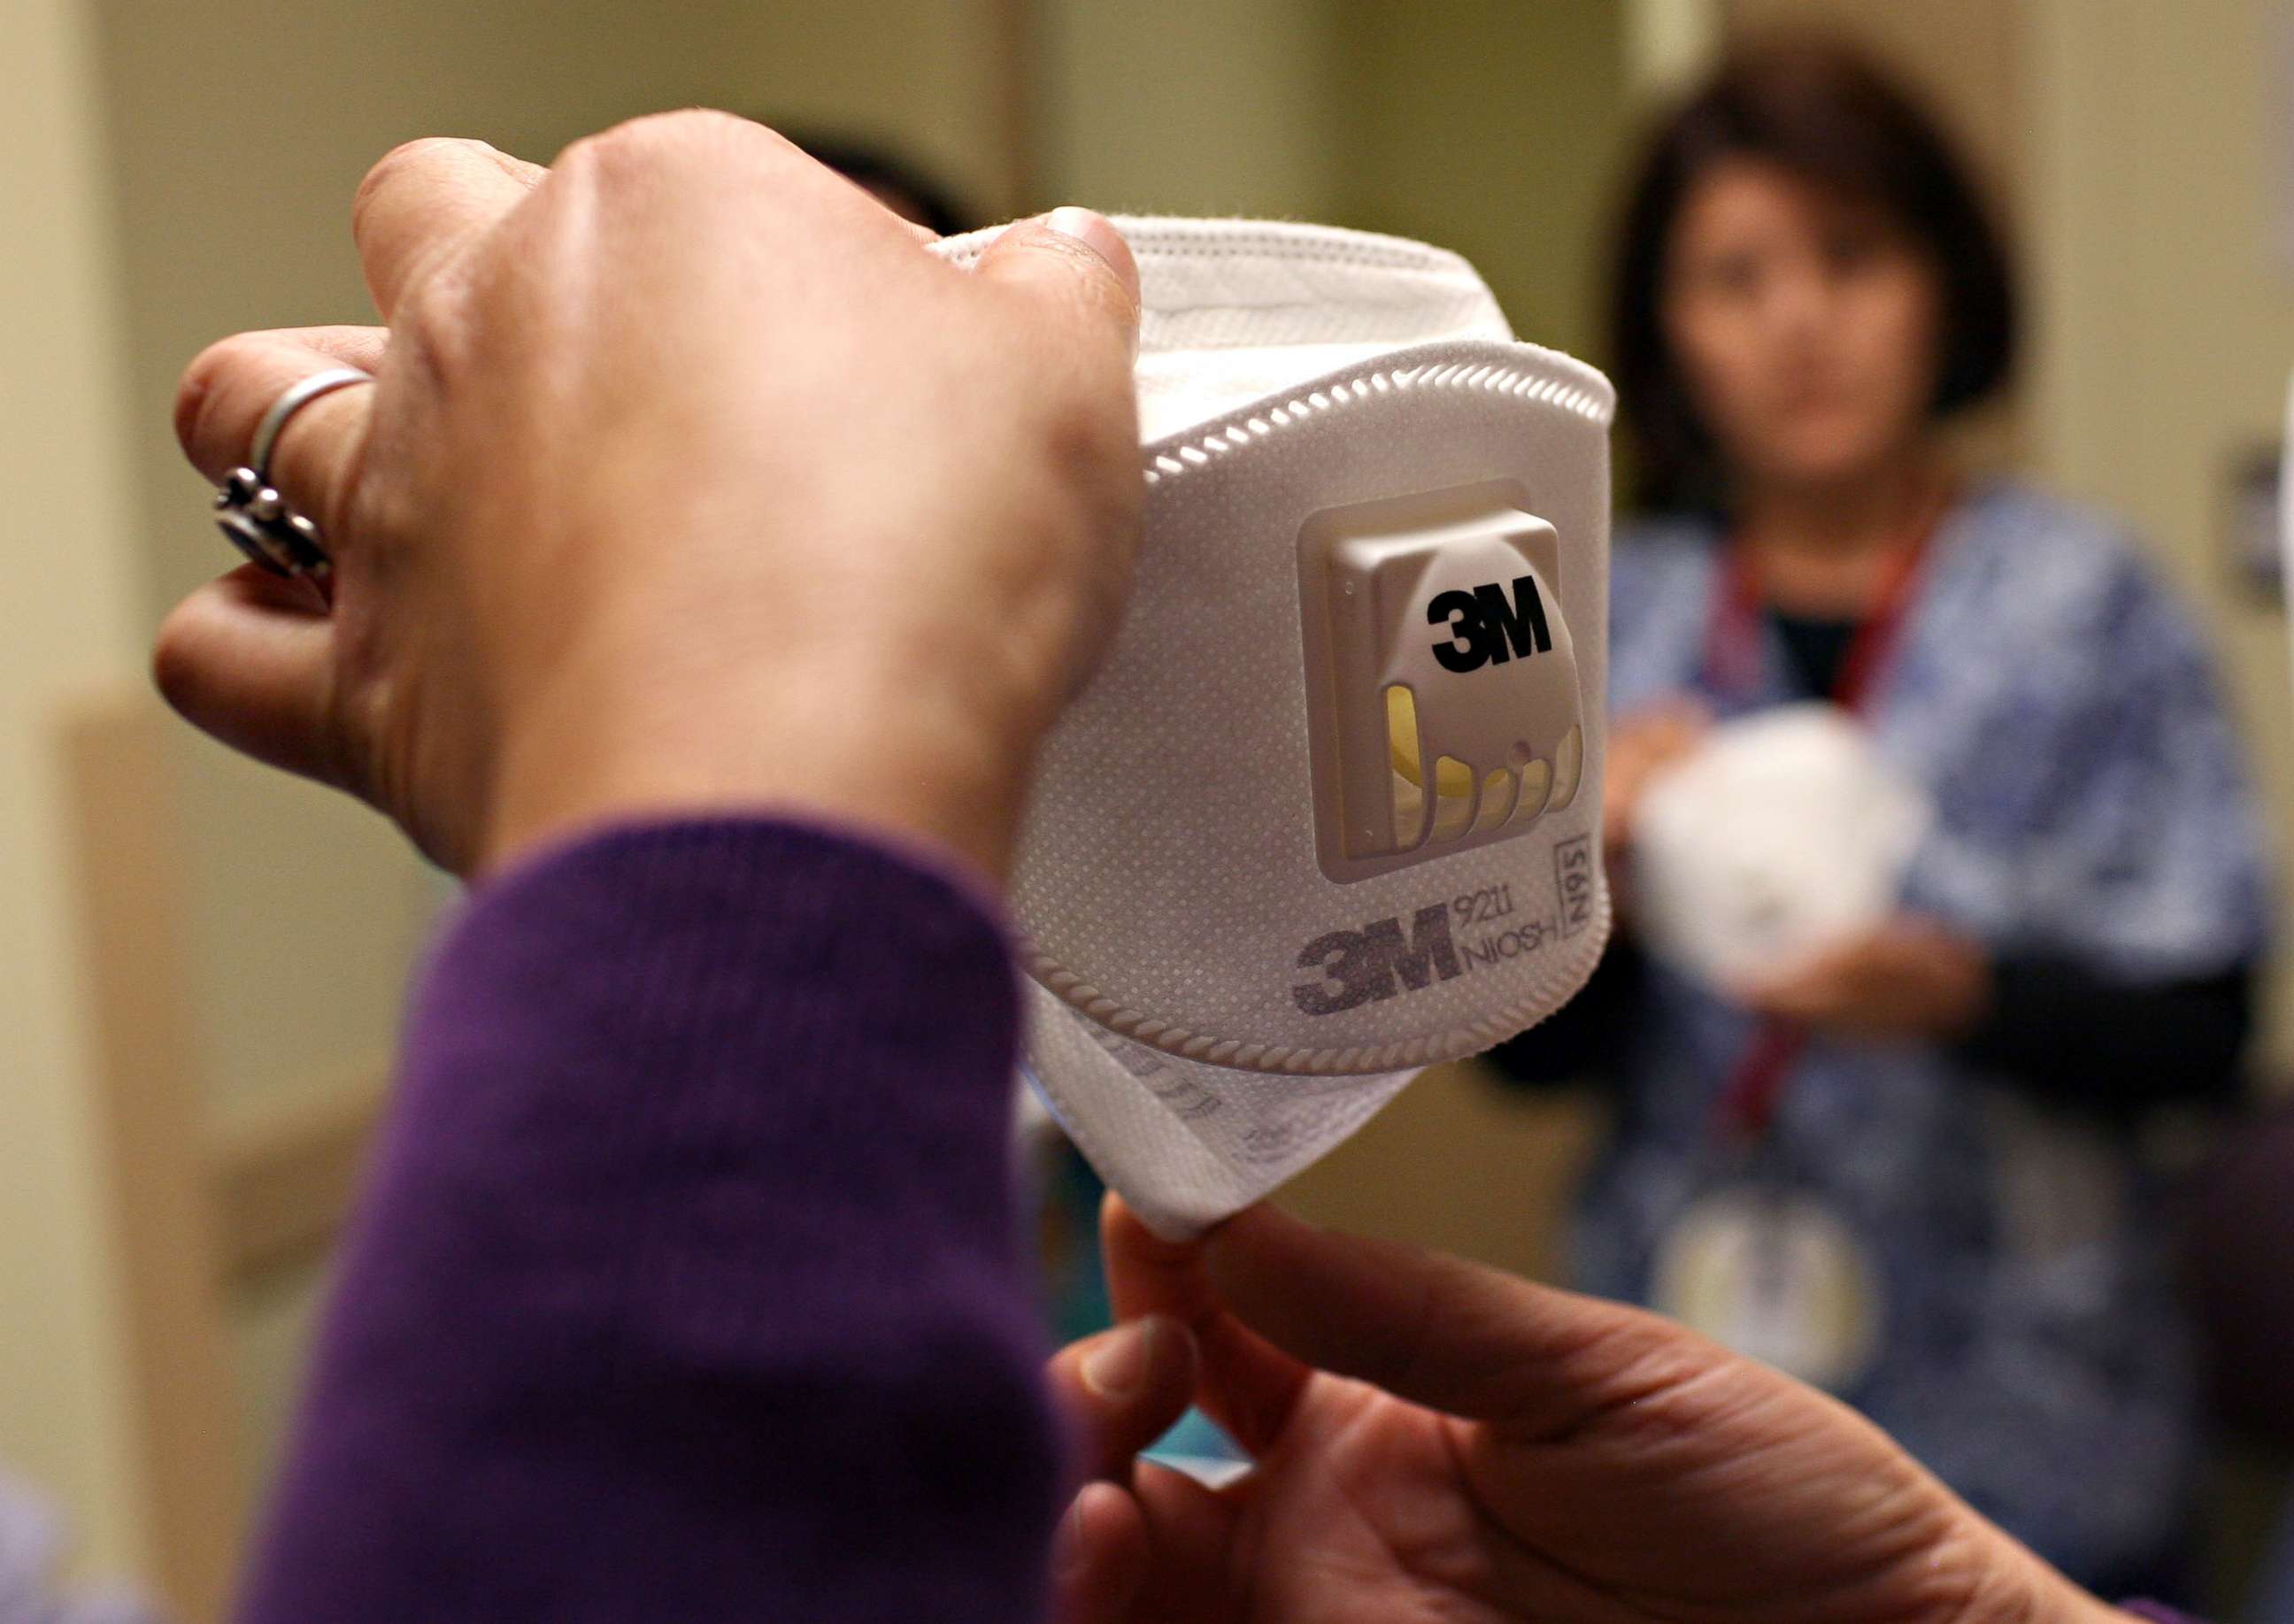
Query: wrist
point(868, 747)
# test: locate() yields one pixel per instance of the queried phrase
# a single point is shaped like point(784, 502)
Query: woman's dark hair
point(1818, 108)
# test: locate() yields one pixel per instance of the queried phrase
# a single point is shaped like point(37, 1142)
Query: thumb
point(1072, 257)
point(1124, 1388)
point(1438, 1331)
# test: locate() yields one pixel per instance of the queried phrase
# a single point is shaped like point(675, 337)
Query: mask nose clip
point(1445, 697)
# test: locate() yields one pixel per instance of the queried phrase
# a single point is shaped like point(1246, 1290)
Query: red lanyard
point(1735, 648)
point(1734, 663)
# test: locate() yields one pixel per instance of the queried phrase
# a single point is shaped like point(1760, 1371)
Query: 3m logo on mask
point(1423, 747)
point(1488, 626)
point(1376, 961)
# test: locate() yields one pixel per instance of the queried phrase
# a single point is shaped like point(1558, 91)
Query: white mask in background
point(1329, 812)
point(1730, 891)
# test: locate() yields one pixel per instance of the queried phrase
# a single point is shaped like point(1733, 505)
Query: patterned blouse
point(2020, 1333)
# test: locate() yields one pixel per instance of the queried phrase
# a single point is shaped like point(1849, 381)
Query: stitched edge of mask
point(1185, 237)
point(1587, 394)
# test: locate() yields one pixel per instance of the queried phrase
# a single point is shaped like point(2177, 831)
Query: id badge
point(1776, 1276)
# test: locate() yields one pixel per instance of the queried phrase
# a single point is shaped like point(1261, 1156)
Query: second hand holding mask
point(1328, 813)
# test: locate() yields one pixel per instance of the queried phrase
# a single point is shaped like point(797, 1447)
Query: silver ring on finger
point(249, 511)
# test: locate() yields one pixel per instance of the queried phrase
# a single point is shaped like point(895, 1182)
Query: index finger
point(231, 383)
point(1444, 1332)
point(423, 202)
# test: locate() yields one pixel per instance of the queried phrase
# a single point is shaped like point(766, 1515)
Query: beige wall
point(1493, 128)
point(68, 581)
point(1196, 107)
point(1486, 125)
point(2158, 181)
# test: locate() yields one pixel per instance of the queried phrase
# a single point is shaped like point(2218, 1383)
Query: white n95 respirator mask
point(1731, 893)
point(1328, 813)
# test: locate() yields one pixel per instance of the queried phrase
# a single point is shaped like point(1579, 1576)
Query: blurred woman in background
point(1919, 1149)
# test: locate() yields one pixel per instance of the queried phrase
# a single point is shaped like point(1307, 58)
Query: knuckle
point(699, 124)
point(656, 139)
point(581, 158)
point(617, 144)
point(699, 121)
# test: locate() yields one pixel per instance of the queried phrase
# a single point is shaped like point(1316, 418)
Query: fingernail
point(1118, 1367)
point(1098, 234)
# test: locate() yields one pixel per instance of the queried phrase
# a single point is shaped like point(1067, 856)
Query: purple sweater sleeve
point(687, 1284)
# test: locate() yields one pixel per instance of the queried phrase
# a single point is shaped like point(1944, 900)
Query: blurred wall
point(1484, 126)
point(1189, 107)
point(2159, 185)
point(68, 581)
point(1495, 129)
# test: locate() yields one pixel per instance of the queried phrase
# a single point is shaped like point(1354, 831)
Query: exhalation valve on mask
point(1432, 634)
point(1318, 820)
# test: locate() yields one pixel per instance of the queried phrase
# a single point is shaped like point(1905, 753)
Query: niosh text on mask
point(1382, 960)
